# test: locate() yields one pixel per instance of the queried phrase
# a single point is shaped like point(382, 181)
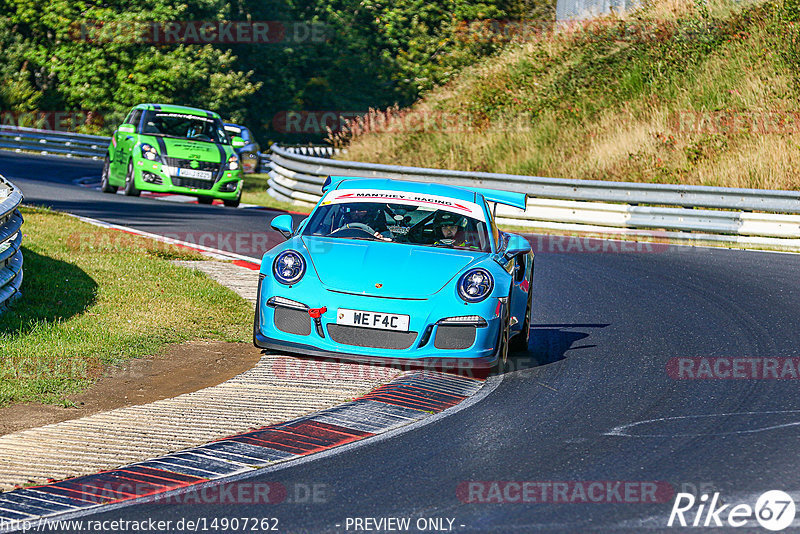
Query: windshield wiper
point(370, 238)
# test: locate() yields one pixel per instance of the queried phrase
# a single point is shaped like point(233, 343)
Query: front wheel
point(105, 184)
point(503, 342)
point(205, 200)
point(130, 182)
point(519, 343)
point(234, 202)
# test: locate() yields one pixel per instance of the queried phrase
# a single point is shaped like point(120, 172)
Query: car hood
point(402, 271)
point(187, 149)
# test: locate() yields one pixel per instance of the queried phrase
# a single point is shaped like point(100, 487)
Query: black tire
point(502, 344)
point(233, 203)
point(105, 185)
point(519, 343)
point(205, 200)
point(130, 183)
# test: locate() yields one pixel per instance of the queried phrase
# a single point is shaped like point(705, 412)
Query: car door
point(114, 149)
point(516, 267)
point(125, 138)
point(520, 288)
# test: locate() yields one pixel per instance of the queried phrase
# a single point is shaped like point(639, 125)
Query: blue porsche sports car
point(402, 271)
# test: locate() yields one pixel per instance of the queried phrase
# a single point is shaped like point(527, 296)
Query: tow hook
point(316, 313)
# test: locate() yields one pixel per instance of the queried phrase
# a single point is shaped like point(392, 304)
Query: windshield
point(399, 222)
point(184, 126)
point(238, 131)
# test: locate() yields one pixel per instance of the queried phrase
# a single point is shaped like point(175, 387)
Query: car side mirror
point(283, 224)
point(237, 142)
point(516, 245)
point(127, 128)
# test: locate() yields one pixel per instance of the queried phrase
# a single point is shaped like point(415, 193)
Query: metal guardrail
point(20, 139)
point(296, 175)
point(10, 243)
point(581, 205)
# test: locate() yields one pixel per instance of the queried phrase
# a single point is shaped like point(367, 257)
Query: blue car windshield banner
point(461, 207)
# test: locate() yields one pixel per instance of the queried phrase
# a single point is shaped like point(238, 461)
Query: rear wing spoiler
point(517, 200)
point(332, 181)
point(509, 198)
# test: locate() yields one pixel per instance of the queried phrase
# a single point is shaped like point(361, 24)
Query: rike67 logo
point(774, 510)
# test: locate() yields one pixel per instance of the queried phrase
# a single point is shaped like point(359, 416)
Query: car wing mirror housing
point(237, 142)
point(516, 245)
point(283, 224)
point(127, 128)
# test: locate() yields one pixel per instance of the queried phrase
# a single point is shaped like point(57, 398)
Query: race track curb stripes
point(412, 396)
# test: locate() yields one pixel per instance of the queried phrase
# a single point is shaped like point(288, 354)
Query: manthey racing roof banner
point(463, 207)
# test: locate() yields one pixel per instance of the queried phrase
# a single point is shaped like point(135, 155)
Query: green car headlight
point(149, 152)
point(233, 162)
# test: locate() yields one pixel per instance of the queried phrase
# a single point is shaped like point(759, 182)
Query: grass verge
point(94, 297)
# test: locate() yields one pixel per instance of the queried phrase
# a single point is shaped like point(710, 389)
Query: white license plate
point(384, 321)
point(193, 173)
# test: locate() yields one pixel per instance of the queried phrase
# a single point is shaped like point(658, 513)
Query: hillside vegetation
point(691, 92)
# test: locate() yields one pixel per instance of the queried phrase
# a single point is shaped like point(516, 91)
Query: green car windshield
point(184, 126)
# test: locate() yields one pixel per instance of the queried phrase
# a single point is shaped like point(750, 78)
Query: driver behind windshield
point(182, 126)
point(450, 230)
point(366, 216)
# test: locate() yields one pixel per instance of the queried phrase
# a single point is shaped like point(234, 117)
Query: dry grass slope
point(689, 92)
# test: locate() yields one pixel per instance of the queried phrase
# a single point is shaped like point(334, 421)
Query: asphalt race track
point(596, 399)
point(49, 181)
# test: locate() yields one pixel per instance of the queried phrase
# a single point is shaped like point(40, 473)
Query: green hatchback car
point(174, 149)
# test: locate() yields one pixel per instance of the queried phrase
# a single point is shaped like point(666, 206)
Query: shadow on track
point(549, 344)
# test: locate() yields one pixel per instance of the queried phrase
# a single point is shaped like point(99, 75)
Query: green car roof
point(172, 108)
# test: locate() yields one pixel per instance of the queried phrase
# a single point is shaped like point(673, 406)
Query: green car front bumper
point(155, 176)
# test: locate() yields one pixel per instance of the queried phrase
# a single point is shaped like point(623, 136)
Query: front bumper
point(279, 327)
point(150, 176)
point(440, 363)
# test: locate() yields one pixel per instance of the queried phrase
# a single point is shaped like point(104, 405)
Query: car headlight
point(149, 152)
point(289, 267)
point(233, 162)
point(475, 285)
